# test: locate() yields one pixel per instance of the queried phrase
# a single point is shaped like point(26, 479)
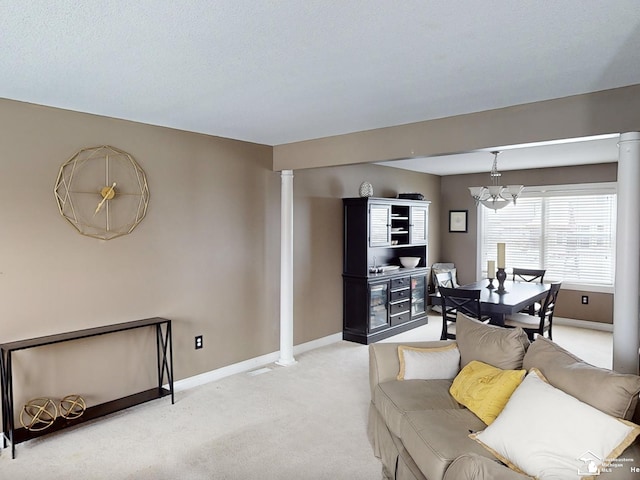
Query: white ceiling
point(275, 72)
point(603, 149)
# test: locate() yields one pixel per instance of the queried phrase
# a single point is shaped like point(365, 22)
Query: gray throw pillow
point(498, 346)
point(613, 393)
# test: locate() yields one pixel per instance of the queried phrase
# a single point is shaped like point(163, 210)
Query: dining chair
point(438, 268)
point(541, 323)
point(530, 275)
point(456, 300)
point(444, 279)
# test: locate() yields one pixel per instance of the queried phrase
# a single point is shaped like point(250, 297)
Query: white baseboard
point(570, 322)
point(250, 364)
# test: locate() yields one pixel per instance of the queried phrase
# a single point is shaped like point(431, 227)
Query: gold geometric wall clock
point(102, 192)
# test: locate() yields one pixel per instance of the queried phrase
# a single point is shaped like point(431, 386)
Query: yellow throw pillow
point(485, 389)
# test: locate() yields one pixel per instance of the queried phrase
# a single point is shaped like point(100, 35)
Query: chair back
point(549, 305)
point(456, 300)
point(460, 300)
point(528, 275)
point(544, 321)
point(444, 279)
point(546, 314)
point(438, 268)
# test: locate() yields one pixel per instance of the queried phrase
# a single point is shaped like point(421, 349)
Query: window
point(568, 230)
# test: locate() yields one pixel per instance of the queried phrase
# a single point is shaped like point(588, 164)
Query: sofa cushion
point(501, 347)
point(383, 360)
point(434, 438)
point(613, 393)
point(546, 433)
point(390, 450)
point(485, 389)
point(392, 399)
point(428, 363)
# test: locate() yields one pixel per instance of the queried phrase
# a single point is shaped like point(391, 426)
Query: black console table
point(164, 350)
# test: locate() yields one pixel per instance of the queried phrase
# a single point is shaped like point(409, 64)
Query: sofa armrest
point(384, 364)
point(626, 466)
point(471, 466)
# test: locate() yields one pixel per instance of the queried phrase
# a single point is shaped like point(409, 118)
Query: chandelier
point(495, 196)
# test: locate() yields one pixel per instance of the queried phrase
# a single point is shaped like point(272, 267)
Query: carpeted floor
point(306, 421)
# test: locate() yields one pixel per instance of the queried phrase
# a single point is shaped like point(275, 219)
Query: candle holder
point(501, 275)
point(490, 286)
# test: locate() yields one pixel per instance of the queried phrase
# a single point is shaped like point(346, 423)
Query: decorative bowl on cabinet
point(410, 262)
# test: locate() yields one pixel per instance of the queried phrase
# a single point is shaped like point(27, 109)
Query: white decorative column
point(626, 341)
point(286, 269)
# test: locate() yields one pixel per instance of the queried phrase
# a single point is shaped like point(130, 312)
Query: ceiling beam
point(598, 113)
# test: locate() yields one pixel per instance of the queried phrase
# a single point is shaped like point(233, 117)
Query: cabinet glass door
point(418, 295)
point(378, 301)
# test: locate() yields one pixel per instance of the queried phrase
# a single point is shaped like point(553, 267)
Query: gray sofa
point(420, 432)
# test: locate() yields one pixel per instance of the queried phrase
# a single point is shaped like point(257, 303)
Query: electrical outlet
point(585, 300)
point(198, 342)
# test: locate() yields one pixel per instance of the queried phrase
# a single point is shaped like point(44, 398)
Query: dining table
point(516, 296)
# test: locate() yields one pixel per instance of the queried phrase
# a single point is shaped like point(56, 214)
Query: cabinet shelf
point(91, 413)
point(399, 245)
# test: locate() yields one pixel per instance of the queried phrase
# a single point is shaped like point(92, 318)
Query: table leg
point(8, 423)
point(165, 362)
point(497, 319)
point(170, 371)
point(3, 393)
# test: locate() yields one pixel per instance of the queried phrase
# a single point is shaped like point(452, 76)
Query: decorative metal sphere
point(38, 414)
point(72, 406)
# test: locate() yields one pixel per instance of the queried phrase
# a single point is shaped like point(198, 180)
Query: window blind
point(520, 227)
point(571, 235)
point(580, 239)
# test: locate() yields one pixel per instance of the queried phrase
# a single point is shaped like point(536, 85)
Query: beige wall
point(461, 248)
point(206, 256)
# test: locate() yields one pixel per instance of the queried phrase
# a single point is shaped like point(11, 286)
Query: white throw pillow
point(429, 363)
point(454, 275)
point(546, 433)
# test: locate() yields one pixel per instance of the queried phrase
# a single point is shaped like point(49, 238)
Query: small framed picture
point(458, 221)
